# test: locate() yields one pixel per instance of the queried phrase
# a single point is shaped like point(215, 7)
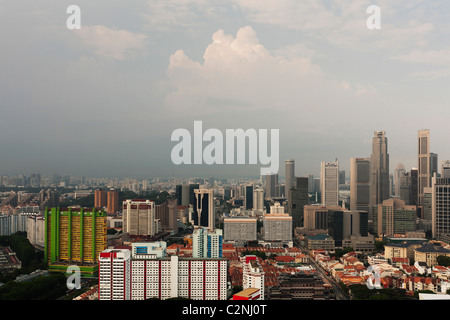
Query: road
point(340, 295)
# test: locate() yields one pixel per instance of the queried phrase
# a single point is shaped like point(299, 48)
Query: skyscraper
point(329, 183)
point(423, 162)
point(445, 169)
point(379, 171)
point(440, 208)
point(249, 197)
point(299, 198)
point(289, 176)
point(204, 212)
point(258, 199)
point(398, 174)
point(271, 182)
point(359, 183)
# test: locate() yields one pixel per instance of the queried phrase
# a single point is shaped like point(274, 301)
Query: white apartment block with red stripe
point(253, 274)
point(123, 277)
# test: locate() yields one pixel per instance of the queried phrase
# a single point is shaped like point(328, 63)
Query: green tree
point(443, 261)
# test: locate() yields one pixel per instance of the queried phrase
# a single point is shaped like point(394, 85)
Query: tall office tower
point(311, 183)
point(289, 176)
point(258, 199)
point(393, 216)
point(427, 212)
point(379, 171)
point(440, 219)
point(270, 186)
point(100, 198)
point(139, 217)
point(179, 193)
point(252, 274)
point(192, 187)
point(112, 201)
point(207, 243)
point(398, 174)
point(433, 164)
point(249, 197)
point(240, 228)
point(299, 198)
point(414, 197)
point(341, 176)
point(359, 183)
point(204, 211)
point(404, 188)
point(336, 226)
point(329, 183)
point(423, 162)
point(445, 169)
point(74, 236)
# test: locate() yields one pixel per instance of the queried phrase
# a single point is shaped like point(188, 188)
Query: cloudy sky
point(104, 100)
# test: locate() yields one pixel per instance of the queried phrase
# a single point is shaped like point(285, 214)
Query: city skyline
point(104, 100)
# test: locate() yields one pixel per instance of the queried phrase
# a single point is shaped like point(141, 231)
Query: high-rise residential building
point(440, 219)
point(249, 196)
point(112, 201)
point(258, 199)
point(207, 243)
point(139, 217)
point(379, 171)
point(445, 169)
point(240, 228)
point(359, 183)
point(329, 183)
point(299, 198)
point(100, 198)
point(74, 236)
point(393, 216)
point(423, 162)
point(252, 274)
point(204, 210)
point(398, 174)
point(124, 276)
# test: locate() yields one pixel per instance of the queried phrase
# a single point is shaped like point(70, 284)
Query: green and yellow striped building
point(74, 236)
